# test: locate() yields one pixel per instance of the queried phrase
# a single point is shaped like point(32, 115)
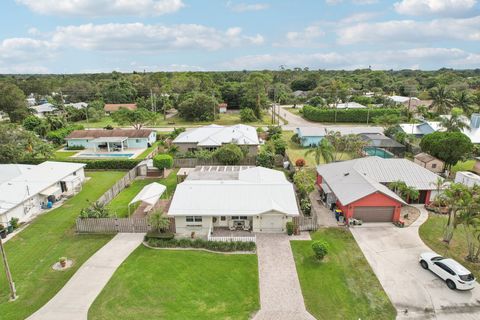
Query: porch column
point(121, 146)
point(108, 146)
point(95, 147)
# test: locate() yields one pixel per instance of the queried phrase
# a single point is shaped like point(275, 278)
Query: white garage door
point(374, 214)
point(272, 223)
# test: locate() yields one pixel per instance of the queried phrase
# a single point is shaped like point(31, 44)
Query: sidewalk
point(75, 298)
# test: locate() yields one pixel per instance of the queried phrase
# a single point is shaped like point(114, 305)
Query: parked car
point(455, 275)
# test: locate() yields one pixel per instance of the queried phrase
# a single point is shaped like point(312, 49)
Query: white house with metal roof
point(45, 109)
point(25, 190)
point(359, 186)
point(214, 136)
point(233, 198)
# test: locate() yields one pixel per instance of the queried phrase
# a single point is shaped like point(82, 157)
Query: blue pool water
point(106, 155)
point(372, 151)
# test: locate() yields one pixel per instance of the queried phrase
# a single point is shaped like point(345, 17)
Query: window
point(434, 165)
point(75, 173)
point(239, 217)
point(137, 140)
point(223, 218)
point(193, 218)
point(444, 267)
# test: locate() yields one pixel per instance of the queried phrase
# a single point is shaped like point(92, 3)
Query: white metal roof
point(401, 99)
point(32, 181)
point(9, 171)
point(77, 105)
point(354, 179)
point(255, 191)
point(321, 131)
point(215, 135)
point(349, 105)
point(46, 107)
point(150, 193)
point(109, 139)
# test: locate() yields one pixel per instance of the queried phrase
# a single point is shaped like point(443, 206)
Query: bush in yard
point(300, 162)
point(280, 146)
point(274, 132)
point(304, 181)
point(229, 154)
point(306, 206)
point(75, 148)
point(95, 210)
point(202, 244)
point(14, 223)
point(158, 221)
point(290, 227)
point(163, 161)
point(320, 249)
point(347, 115)
point(247, 115)
point(265, 159)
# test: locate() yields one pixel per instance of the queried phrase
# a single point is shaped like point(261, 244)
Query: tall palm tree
point(442, 99)
point(456, 122)
point(463, 100)
point(324, 150)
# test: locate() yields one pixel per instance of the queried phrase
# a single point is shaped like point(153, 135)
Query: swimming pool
point(382, 153)
point(105, 155)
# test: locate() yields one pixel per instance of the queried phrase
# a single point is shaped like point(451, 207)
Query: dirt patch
point(409, 215)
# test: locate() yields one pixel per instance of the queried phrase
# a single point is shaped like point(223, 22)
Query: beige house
point(429, 162)
point(233, 198)
point(214, 136)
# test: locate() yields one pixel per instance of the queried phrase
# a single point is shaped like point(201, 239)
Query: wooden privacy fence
point(118, 186)
point(305, 223)
point(193, 162)
point(114, 225)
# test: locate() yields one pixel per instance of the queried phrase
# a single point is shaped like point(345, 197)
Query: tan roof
point(112, 107)
point(425, 157)
point(93, 134)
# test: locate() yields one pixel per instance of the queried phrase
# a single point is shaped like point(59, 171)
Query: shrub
point(300, 162)
point(200, 243)
point(247, 115)
point(95, 210)
point(75, 148)
point(304, 182)
point(14, 223)
point(306, 206)
point(280, 146)
point(274, 132)
point(163, 161)
point(320, 249)
point(265, 159)
point(58, 136)
point(229, 154)
point(295, 139)
point(158, 221)
point(290, 227)
point(203, 154)
point(347, 115)
point(159, 235)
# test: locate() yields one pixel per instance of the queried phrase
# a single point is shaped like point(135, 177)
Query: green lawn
point(463, 166)
point(119, 205)
point(431, 233)
point(148, 150)
point(164, 284)
point(63, 155)
point(296, 151)
point(343, 286)
point(32, 252)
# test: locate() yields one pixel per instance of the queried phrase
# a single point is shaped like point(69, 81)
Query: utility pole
point(151, 99)
point(214, 106)
point(86, 112)
point(13, 291)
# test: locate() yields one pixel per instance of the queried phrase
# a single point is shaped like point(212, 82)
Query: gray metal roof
point(354, 179)
point(381, 141)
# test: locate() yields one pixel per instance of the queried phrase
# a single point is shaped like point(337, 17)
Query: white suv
point(454, 274)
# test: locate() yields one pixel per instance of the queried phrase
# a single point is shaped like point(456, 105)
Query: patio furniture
point(147, 209)
point(231, 225)
point(246, 225)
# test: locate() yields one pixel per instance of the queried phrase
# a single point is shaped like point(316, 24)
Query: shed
point(429, 162)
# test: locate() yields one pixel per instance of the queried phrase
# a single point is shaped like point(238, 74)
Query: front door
point(63, 186)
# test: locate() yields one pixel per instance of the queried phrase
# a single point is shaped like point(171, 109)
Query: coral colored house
point(358, 187)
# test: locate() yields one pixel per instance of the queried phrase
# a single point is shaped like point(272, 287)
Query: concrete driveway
point(416, 293)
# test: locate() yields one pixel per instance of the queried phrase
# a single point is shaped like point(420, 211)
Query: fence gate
point(305, 223)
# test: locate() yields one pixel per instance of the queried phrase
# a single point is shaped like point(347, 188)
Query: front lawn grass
point(119, 204)
point(343, 286)
point(64, 155)
point(431, 233)
point(164, 284)
point(33, 251)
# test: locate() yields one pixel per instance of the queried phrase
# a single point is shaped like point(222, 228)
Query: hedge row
point(346, 115)
point(104, 164)
point(200, 243)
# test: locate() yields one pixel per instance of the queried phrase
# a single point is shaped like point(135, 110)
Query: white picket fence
point(230, 238)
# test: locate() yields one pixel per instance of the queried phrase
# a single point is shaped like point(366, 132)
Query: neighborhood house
point(214, 136)
point(467, 178)
point(233, 198)
point(311, 136)
point(111, 140)
point(359, 187)
point(25, 190)
point(44, 110)
point(382, 146)
point(429, 162)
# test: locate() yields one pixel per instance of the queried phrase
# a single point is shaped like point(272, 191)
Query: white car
point(455, 275)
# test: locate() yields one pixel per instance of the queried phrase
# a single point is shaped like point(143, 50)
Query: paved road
point(74, 299)
point(280, 293)
point(393, 254)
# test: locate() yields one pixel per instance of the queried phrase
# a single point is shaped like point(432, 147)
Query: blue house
point(311, 136)
point(112, 140)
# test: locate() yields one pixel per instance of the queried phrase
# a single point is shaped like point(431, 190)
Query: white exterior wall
point(185, 229)
point(467, 178)
point(271, 222)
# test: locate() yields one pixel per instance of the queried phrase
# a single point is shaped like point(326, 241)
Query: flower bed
point(201, 244)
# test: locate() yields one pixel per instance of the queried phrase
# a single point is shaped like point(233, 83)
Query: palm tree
point(324, 150)
point(463, 100)
point(410, 193)
point(456, 122)
point(442, 100)
point(397, 186)
point(438, 184)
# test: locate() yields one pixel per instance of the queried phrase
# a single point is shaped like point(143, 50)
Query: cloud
point(410, 31)
point(426, 58)
point(243, 7)
point(25, 55)
point(306, 37)
point(131, 37)
point(97, 8)
point(447, 8)
point(360, 2)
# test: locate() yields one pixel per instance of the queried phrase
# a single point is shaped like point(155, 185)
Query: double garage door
point(374, 214)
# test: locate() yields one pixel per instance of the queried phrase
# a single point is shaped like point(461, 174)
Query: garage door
point(272, 223)
point(374, 214)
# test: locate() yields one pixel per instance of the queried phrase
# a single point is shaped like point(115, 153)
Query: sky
point(89, 36)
